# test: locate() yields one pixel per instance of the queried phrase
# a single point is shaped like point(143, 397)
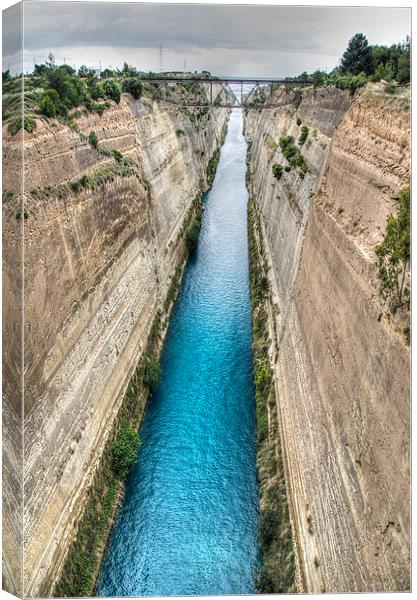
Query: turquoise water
point(189, 520)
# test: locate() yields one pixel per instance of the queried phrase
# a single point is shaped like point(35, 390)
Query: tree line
point(369, 63)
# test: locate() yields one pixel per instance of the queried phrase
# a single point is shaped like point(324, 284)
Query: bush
point(394, 255)
point(277, 170)
point(303, 134)
point(93, 139)
point(112, 90)
point(193, 233)
point(67, 85)
point(133, 86)
point(319, 78)
point(47, 106)
point(124, 451)
point(152, 373)
point(263, 375)
point(117, 155)
point(180, 132)
point(390, 88)
point(299, 121)
point(50, 104)
point(292, 154)
point(19, 123)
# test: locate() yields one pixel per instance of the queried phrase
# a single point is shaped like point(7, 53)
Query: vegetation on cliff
point(362, 62)
point(293, 154)
point(125, 449)
point(277, 568)
point(84, 556)
point(394, 256)
point(58, 91)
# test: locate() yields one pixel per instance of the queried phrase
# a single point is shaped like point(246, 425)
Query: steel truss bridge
point(231, 92)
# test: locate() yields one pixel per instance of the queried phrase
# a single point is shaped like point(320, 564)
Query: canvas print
point(206, 299)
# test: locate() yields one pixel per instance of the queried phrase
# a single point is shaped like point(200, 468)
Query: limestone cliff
point(102, 240)
point(341, 363)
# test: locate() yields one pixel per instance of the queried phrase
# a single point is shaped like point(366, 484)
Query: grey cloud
point(264, 32)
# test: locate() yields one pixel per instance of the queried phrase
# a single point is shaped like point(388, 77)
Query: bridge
point(221, 92)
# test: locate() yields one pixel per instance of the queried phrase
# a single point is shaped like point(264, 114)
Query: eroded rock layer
point(342, 364)
point(102, 241)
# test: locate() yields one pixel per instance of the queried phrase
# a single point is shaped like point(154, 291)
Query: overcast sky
point(225, 40)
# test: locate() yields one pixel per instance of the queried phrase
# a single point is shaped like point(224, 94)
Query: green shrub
point(26, 123)
point(303, 134)
point(124, 451)
point(263, 375)
point(112, 90)
point(180, 132)
point(117, 155)
point(298, 96)
point(287, 168)
point(193, 233)
point(390, 88)
point(94, 86)
point(133, 86)
point(67, 85)
point(348, 82)
point(299, 121)
point(394, 255)
point(152, 373)
point(50, 104)
point(93, 139)
point(47, 106)
point(319, 78)
point(277, 170)
point(292, 154)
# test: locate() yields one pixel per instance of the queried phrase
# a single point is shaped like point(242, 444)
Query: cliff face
point(99, 256)
point(341, 364)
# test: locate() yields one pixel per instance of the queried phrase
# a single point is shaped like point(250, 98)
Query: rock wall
point(98, 261)
point(342, 363)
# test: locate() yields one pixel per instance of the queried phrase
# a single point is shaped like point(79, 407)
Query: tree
point(394, 255)
point(133, 86)
point(124, 451)
point(83, 71)
point(50, 61)
point(319, 78)
point(128, 70)
point(95, 87)
point(403, 67)
point(6, 75)
point(106, 73)
point(68, 87)
point(40, 70)
point(358, 56)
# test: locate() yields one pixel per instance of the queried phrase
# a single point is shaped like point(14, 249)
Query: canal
point(188, 523)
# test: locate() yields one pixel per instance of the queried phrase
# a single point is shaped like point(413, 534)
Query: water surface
point(189, 520)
